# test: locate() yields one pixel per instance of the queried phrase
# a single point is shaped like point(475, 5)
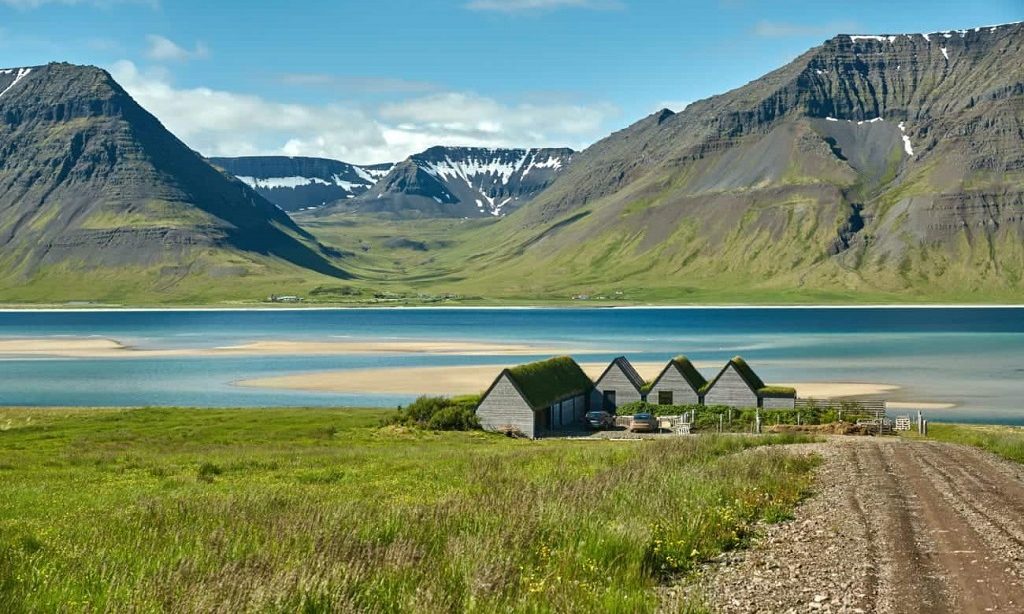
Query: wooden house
point(536, 398)
point(736, 385)
point(679, 383)
point(618, 385)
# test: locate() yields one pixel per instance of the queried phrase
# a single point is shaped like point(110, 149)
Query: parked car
point(643, 422)
point(599, 420)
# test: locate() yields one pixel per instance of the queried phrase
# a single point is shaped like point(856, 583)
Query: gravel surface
point(894, 525)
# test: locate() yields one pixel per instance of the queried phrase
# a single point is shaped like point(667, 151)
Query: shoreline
point(371, 307)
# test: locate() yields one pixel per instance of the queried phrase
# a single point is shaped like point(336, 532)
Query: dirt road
point(895, 526)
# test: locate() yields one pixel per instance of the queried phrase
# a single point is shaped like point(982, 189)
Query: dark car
point(644, 422)
point(599, 420)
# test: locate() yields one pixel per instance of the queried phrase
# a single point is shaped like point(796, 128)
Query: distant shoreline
point(501, 308)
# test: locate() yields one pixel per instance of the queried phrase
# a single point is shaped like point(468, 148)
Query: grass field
point(1006, 441)
point(323, 510)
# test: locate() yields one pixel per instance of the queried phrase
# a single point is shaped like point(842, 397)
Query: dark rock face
point(882, 150)
point(461, 182)
point(88, 178)
point(298, 184)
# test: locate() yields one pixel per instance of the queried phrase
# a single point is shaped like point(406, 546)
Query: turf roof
point(545, 382)
point(689, 372)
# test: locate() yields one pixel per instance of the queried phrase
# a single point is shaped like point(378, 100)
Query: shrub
point(207, 471)
point(439, 413)
point(454, 418)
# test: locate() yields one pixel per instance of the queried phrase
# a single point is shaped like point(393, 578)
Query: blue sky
point(375, 81)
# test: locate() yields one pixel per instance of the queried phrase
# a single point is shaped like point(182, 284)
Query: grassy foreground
point(1006, 441)
point(322, 510)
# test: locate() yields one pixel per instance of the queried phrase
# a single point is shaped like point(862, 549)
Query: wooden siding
point(775, 403)
point(504, 407)
point(731, 390)
point(674, 382)
point(616, 380)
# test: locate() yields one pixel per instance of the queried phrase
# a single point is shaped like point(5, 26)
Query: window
point(664, 397)
point(609, 399)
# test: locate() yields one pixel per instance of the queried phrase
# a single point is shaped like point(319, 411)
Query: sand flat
point(88, 347)
point(470, 379)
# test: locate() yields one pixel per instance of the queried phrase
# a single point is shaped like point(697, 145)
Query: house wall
point(682, 394)
point(731, 390)
point(504, 407)
point(773, 403)
point(616, 380)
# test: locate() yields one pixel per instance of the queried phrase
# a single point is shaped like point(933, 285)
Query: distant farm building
point(679, 383)
point(536, 398)
point(618, 385)
point(736, 385)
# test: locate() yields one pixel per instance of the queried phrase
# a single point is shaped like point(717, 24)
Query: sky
point(376, 81)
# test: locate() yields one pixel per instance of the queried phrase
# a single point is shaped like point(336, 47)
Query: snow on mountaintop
point(927, 36)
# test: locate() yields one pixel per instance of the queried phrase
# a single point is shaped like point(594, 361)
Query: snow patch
point(22, 73)
point(945, 54)
point(907, 146)
point(872, 37)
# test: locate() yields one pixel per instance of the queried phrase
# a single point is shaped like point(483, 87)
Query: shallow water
point(973, 357)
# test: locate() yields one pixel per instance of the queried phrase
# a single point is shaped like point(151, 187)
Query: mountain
point(886, 166)
point(95, 193)
point(296, 184)
point(461, 182)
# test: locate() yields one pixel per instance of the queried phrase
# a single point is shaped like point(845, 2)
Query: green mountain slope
point(870, 168)
point(99, 201)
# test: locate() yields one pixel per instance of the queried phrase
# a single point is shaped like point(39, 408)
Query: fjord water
point(973, 357)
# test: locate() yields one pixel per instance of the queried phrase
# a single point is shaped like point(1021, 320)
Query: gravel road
point(894, 526)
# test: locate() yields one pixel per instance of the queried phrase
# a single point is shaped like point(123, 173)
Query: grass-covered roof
point(547, 381)
point(689, 372)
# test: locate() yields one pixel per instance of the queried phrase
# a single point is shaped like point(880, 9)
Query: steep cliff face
point(298, 184)
point(876, 162)
point(88, 180)
point(461, 182)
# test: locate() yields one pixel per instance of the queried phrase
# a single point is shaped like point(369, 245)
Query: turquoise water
point(973, 357)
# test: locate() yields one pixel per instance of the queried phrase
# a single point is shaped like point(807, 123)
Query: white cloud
point(216, 122)
point(163, 49)
point(512, 6)
point(780, 29)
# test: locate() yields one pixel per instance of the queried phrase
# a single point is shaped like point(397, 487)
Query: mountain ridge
point(445, 181)
point(297, 183)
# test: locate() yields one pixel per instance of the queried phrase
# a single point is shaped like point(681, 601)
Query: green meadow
point(321, 510)
point(1005, 441)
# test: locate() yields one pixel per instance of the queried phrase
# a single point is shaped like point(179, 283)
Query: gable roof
point(628, 370)
point(686, 369)
point(544, 382)
point(755, 383)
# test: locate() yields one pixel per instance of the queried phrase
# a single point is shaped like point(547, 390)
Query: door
point(609, 400)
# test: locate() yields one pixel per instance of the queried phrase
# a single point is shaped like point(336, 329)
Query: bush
point(454, 418)
point(439, 413)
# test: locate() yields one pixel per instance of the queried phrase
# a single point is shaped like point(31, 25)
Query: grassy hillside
point(318, 510)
